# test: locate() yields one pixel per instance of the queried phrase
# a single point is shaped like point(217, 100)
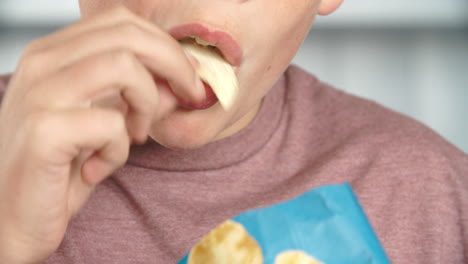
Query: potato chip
point(295, 257)
point(215, 71)
point(229, 243)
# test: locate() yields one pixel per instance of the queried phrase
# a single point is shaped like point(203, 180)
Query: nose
point(148, 8)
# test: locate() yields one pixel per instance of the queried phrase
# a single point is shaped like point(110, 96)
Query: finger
point(116, 15)
point(98, 166)
point(71, 132)
point(116, 73)
point(56, 138)
point(32, 58)
point(167, 102)
point(120, 28)
point(78, 190)
point(160, 53)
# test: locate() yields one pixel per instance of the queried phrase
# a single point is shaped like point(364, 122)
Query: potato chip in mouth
point(214, 70)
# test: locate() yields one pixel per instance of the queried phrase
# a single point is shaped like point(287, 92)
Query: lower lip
point(210, 96)
point(210, 100)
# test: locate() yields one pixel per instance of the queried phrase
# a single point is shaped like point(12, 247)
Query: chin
point(182, 136)
point(178, 144)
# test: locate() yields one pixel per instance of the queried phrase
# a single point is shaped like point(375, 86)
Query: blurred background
point(411, 56)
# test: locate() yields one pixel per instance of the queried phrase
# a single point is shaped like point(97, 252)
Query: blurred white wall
point(353, 12)
point(422, 73)
point(409, 55)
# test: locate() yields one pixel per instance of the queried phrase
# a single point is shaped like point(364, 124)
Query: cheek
point(91, 7)
point(289, 34)
point(280, 39)
point(276, 43)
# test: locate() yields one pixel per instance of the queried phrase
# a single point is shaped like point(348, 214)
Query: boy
point(65, 199)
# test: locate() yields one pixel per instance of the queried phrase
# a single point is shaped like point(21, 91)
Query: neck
point(240, 124)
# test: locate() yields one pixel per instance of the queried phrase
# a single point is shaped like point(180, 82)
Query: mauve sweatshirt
point(411, 183)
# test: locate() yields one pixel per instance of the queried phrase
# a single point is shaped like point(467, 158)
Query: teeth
point(203, 43)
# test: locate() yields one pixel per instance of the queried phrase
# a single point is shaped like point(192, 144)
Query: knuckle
point(32, 64)
point(121, 57)
point(116, 123)
point(39, 124)
point(132, 33)
point(114, 120)
point(124, 60)
point(121, 62)
point(32, 97)
point(130, 30)
point(33, 46)
point(123, 154)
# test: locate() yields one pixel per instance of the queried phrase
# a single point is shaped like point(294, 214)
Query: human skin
point(269, 34)
point(57, 143)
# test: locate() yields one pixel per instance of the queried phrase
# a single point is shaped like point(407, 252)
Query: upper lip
point(225, 43)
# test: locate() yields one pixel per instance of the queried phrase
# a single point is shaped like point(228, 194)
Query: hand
point(57, 141)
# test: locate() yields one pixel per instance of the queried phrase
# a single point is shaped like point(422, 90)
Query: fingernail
point(198, 82)
point(200, 86)
point(194, 62)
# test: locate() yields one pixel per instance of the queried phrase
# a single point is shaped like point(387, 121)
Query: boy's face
point(268, 32)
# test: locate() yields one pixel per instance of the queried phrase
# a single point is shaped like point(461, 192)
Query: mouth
point(220, 41)
point(210, 98)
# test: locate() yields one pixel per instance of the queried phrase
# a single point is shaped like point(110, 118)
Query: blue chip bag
point(323, 225)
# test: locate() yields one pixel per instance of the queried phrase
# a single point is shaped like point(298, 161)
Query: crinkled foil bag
point(325, 225)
